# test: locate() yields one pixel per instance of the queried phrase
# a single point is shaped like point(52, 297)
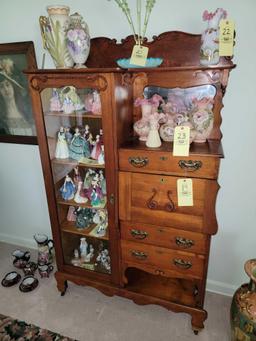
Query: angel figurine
point(96, 103)
point(78, 147)
point(67, 190)
point(61, 151)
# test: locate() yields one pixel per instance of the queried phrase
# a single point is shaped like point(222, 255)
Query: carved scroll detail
point(213, 76)
point(36, 82)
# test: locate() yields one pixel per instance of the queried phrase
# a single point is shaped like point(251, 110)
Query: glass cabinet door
point(76, 148)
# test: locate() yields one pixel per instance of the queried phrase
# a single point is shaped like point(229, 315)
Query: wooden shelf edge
point(69, 227)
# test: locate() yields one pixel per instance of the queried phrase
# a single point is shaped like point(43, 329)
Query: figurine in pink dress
point(96, 104)
point(96, 148)
point(55, 104)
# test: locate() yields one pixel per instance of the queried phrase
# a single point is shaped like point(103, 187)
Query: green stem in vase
point(149, 6)
point(125, 8)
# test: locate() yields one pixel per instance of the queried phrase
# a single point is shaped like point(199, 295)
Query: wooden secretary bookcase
point(157, 255)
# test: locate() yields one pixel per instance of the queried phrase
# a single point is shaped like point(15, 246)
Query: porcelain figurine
point(96, 103)
point(88, 178)
point(83, 248)
point(68, 135)
point(78, 147)
point(44, 248)
point(80, 196)
point(71, 216)
point(96, 150)
point(95, 193)
point(76, 260)
point(88, 100)
point(70, 99)
point(77, 176)
point(90, 254)
point(101, 219)
point(101, 157)
point(201, 117)
point(104, 260)
point(84, 217)
point(209, 52)
point(102, 181)
point(88, 136)
point(243, 307)
point(68, 189)
point(153, 139)
point(54, 35)
point(55, 104)
point(78, 40)
point(61, 151)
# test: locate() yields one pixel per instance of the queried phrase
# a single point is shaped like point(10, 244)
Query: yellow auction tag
point(139, 55)
point(226, 37)
point(181, 141)
point(185, 192)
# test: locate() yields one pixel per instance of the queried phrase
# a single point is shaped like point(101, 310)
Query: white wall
point(23, 208)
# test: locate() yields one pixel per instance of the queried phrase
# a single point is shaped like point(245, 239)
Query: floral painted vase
point(209, 52)
point(78, 40)
point(243, 307)
point(201, 117)
point(53, 30)
point(166, 130)
point(142, 126)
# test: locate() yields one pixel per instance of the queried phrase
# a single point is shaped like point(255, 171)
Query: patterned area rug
point(11, 330)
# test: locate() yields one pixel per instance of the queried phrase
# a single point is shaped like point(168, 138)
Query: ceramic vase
point(53, 30)
point(142, 126)
point(243, 307)
point(202, 121)
point(78, 40)
point(209, 52)
point(166, 130)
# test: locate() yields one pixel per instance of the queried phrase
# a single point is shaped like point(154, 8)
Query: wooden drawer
point(152, 199)
point(147, 161)
point(166, 262)
point(164, 236)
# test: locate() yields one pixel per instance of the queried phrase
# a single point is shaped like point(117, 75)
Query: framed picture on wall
point(16, 117)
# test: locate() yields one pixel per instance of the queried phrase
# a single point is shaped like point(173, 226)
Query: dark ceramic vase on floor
point(243, 308)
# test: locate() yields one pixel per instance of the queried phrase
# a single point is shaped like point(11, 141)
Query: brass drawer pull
point(137, 234)
point(181, 263)
point(159, 272)
point(138, 161)
point(190, 165)
point(154, 205)
point(139, 254)
point(184, 243)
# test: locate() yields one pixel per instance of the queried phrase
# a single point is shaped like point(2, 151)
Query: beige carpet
point(87, 315)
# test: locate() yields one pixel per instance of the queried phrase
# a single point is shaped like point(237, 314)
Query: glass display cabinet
point(113, 204)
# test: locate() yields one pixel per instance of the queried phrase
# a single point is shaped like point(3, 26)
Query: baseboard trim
point(220, 288)
point(19, 241)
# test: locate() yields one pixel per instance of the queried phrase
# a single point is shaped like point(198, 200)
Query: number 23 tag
point(181, 141)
